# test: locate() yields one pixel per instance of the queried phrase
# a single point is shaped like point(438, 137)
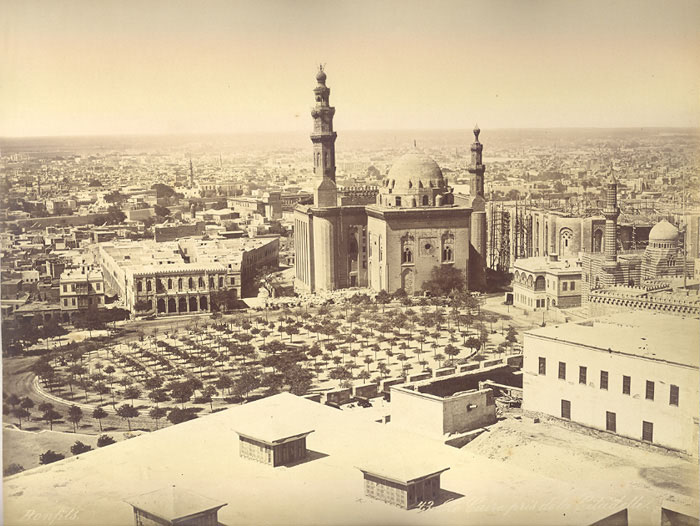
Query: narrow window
point(562, 370)
point(673, 400)
point(543, 366)
point(610, 421)
point(582, 375)
point(563, 286)
point(566, 409)
point(647, 431)
point(650, 390)
point(604, 380)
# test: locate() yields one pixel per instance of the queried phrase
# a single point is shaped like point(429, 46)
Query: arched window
point(565, 242)
point(201, 282)
point(598, 241)
point(190, 283)
point(148, 285)
point(179, 284)
point(407, 256)
point(170, 283)
point(139, 286)
point(540, 283)
point(211, 282)
point(446, 254)
point(221, 281)
point(426, 201)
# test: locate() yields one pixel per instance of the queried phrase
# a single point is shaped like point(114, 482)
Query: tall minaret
point(323, 138)
point(476, 167)
point(191, 175)
point(611, 213)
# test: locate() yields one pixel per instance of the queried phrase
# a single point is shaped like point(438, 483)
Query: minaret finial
point(477, 131)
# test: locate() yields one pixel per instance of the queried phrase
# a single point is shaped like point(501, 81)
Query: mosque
point(415, 224)
point(656, 267)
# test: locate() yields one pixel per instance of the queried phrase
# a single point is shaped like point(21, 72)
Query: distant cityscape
point(432, 327)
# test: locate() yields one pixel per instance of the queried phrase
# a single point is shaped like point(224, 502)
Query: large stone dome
point(413, 171)
point(663, 231)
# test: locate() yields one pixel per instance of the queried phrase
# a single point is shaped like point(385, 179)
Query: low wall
point(386, 384)
point(366, 390)
point(445, 371)
point(338, 396)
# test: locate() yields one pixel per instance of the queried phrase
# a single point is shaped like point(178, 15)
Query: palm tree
point(368, 360)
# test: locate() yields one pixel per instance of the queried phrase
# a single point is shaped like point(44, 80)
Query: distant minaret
point(323, 139)
point(191, 175)
point(476, 167)
point(611, 213)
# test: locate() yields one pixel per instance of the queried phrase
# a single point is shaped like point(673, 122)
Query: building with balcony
point(81, 289)
point(544, 282)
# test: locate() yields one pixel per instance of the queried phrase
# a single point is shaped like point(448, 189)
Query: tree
point(512, 335)
point(451, 351)
point(177, 415)
point(98, 414)
point(156, 413)
point(208, 396)
point(79, 448)
point(182, 392)
point(20, 413)
point(101, 389)
point(224, 382)
point(158, 396)
point(114, 216)
point(473, 343)
point(368, 360)
point(131, 393)
point(50, 456)
point(383, 297)
point(161, 211)
point(444, 279)
point(109, 371)
point(440, 358)
point(12, 469)
point(28, 404)
point(13, 400)
point(105, 440)
point(49, 414)
point(75, 415)
point(127, 412)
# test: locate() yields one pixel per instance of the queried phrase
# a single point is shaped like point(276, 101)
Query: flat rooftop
point(648, 335)
point(328, 488)
point(544, 264)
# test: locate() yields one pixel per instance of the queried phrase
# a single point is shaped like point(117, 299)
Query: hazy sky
point(127, 66)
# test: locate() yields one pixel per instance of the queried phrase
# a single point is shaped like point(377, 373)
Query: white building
point(634, 374)
point(544, 282)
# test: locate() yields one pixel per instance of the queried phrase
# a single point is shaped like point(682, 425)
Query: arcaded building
point(178, 277)
point(414, 225)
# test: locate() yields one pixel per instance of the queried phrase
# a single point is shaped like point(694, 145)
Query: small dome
point(663, 231)
point(321, 75)
point(413, 171)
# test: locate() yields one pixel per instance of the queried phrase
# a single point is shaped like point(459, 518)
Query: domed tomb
point(414, 179)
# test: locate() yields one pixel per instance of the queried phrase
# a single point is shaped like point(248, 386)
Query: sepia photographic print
point(261, 266)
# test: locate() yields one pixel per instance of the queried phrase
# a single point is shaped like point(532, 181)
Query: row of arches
point(529, 281)
point(180, 283)
point(183, 304)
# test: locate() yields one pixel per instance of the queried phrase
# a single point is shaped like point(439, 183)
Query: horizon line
point(369, 130)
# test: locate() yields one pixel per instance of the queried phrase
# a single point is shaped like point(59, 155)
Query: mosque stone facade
point(416, 223)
